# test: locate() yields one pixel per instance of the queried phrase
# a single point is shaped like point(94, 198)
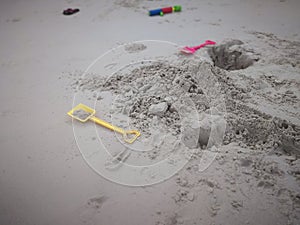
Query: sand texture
point(220, 129)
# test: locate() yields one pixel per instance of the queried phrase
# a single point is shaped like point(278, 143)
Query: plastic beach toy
point(162, 11)
point(70, 11)
point(84, 113)
point(192, 50)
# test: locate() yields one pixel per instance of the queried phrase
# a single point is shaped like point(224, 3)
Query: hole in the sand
point(231, 56)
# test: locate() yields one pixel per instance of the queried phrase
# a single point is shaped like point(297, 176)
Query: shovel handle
point(107, 125)
point(207, 42)
point(118, 129)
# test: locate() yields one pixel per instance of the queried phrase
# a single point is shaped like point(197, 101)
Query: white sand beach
point(242, 170)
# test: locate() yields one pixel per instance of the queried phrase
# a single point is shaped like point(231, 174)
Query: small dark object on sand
point(70, 11)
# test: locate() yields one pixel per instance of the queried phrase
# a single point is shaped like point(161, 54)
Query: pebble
point(158, 109)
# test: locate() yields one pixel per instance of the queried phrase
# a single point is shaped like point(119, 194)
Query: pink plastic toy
point(192, 50)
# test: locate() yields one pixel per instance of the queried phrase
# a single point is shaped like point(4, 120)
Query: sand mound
point(165, 95)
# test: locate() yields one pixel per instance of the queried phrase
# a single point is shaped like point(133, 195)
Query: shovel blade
point(81, 112)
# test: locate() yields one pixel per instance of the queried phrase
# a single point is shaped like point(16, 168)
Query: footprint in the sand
point(97, 202)
point(88, 212)
point(135, 47)
point(14, 20)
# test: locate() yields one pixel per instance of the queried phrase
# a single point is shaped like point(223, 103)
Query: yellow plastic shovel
point(84, 113)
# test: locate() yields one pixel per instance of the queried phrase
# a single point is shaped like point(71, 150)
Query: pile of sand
point(154, 93)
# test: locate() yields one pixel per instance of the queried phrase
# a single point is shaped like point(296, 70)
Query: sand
point(226, 119)
point(81, 114)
